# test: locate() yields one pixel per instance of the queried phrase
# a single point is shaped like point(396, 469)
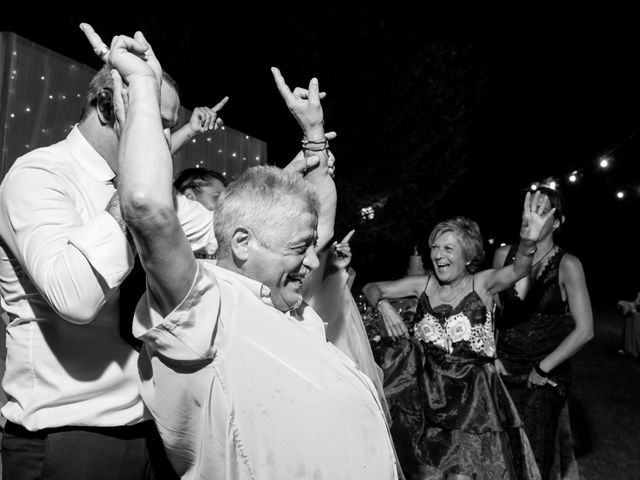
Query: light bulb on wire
point(604, 162)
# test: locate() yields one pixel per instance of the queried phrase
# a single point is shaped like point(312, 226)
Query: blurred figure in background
point(201, 185)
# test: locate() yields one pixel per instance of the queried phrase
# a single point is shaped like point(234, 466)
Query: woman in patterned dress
point(452, 417)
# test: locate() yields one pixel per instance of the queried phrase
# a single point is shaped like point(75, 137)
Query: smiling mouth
point(296, 278)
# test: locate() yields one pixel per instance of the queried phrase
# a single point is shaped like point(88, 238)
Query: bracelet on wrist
point(323, 144)
point(540, 371)
point(307, 149)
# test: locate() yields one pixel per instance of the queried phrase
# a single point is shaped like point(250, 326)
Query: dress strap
point(473, 283)
point(427, 285)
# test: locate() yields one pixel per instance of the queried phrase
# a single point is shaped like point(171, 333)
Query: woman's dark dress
point(530, 329)
point(451, 414)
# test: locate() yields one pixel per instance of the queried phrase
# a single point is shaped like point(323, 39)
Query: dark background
point(449, 108)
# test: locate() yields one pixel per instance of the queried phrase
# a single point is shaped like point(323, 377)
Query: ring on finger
point(103, 51)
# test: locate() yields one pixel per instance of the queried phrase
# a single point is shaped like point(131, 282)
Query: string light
point(68, 109)
point(604, 162)
point(367, 213)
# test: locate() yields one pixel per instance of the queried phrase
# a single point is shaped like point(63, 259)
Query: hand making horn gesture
point(131, 57)
point(535, 216)
point(304, 104)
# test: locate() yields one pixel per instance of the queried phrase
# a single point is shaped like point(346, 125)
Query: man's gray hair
point(263, 199)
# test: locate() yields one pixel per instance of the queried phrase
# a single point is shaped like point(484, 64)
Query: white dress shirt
point(62, 259)
point(240, 390)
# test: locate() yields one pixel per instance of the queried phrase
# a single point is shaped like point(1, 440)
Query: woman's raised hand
point(535, 216)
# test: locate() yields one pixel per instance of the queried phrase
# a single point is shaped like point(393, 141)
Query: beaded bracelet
point(540, 371)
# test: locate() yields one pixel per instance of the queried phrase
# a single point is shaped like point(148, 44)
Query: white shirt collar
point(90, 160)
point(260, 290)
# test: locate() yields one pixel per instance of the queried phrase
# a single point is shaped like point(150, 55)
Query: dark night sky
point(562, 88)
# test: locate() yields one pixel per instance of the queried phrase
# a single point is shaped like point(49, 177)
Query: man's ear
point(189, 193)
point(240, 243)
point(104, 106)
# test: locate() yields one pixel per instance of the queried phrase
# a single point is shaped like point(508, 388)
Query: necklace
point(542, 257)
point(458, 292)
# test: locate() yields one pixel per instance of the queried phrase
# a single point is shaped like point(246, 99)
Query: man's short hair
point(196, 177)
point(102, 80)
point(263, 199)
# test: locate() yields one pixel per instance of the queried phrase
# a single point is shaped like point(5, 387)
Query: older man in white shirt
point(236, 369)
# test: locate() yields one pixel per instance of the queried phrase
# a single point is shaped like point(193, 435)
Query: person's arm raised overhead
point(304, 105)
point(145, 172)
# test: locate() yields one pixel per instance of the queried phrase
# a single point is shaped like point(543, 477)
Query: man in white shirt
point(74, 410)
point(236, 369)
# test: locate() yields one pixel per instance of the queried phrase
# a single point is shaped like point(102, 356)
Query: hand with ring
point(131, 57)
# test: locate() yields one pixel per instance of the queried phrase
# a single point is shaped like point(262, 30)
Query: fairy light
point(620, 194)
point(534, 186)
point(604, 162)
point(367, 213)
point(573, 178)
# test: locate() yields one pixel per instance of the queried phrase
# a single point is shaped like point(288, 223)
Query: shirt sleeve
point(189, 332)
point(197, 223)
point(76, 266)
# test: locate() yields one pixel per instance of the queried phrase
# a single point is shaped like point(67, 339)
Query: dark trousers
point(109, 453)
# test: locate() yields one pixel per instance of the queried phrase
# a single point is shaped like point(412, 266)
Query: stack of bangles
point(315, 146)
